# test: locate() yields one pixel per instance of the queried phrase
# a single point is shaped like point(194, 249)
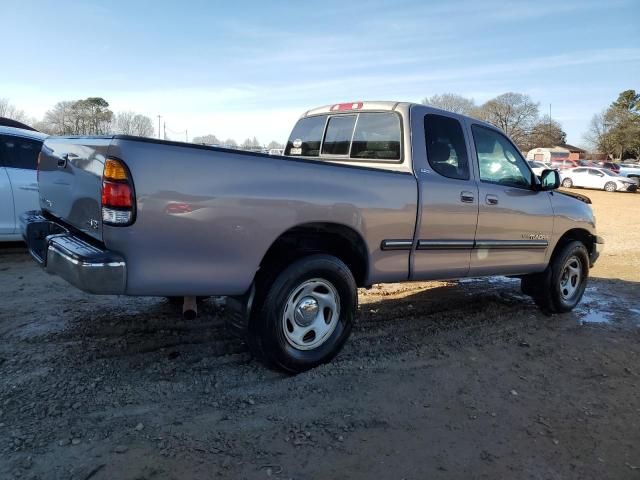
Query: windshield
point(610, 173)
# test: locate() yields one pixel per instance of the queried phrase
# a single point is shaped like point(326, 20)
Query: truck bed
point(205, 216)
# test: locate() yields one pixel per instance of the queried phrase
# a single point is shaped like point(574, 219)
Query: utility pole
point(550, 124)
point(186, 136)
point(159, 126)
point(165, 130)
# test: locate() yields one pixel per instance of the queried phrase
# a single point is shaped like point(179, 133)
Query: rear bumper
point(598, 247)
point(63, 253)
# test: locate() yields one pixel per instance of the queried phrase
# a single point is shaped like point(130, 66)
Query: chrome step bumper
point(63, 253)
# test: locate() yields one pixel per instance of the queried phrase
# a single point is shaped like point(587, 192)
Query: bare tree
point(452, 103)
point(58, 120)
point(274, 144)
point(90, 116)
point(250, 143)
point(230, 142)
point(546, 132)
point(8, 110)
point(209, 139)
point(595, 133)
point(514, 113)
point(131, 123)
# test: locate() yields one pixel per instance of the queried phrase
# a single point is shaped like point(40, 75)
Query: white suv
point(19, 151)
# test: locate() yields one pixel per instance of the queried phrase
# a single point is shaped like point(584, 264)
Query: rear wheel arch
point(302, 240)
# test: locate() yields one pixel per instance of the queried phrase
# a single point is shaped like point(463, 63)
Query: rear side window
point(446, 149)
point(362, 136)
point(306, 137)
point(17, 152)
point(337, 139)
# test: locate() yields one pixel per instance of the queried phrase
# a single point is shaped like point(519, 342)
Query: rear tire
point(306, 314)
point(567, 183)
point(560, 287)
point(610, 187)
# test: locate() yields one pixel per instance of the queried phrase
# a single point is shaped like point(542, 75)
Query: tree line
point(92, 116)
point(616, 130)
point(515, 113)
point(89, 116)
point(248, 144)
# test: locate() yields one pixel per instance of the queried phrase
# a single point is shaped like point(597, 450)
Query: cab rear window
point(362, 136)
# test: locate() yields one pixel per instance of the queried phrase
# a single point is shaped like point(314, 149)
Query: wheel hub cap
point(306, 311)
point(311, 314)
point(571, 278)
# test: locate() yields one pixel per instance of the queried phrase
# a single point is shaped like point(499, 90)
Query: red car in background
point(563, 163)
point(614, 167)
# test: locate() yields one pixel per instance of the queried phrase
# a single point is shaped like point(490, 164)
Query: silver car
point(19, 151)
point(597, 178)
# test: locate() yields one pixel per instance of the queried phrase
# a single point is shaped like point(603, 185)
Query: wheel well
point(334, 239)
point(578, 234)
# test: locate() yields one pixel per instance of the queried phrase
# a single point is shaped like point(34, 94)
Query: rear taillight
point(118, 198)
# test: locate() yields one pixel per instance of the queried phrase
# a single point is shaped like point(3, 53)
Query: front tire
point(567, 183)
point(610, 187)
point(306, 315)
point(560, 287)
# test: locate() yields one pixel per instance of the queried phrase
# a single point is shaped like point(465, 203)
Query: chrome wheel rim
point(311, 314)
point(609, 187)
point(567, 183)
point(571, 278)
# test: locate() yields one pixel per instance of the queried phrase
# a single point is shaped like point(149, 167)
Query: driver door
point(515, 221)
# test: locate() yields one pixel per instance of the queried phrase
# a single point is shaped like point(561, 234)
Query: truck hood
point(578, 196)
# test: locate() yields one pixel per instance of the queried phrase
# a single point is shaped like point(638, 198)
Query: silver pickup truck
point(366, 192)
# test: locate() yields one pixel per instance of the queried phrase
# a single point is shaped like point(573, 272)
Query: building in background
point(559, 152)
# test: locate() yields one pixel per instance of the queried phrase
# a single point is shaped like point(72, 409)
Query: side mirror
point(550, 180)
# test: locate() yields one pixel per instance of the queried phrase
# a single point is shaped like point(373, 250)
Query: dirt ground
point(440, 380)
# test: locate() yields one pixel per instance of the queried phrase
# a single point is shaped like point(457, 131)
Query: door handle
point(466, 197)
point(491, 200)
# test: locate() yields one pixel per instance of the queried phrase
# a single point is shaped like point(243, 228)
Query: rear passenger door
point(448, 196)
point(21, 162)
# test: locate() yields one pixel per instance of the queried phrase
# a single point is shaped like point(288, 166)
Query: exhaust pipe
point(189, 308)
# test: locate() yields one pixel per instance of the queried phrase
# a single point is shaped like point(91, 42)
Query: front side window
point(446, 150)
point(498, 160)
point(597, 173)
point(18, 152)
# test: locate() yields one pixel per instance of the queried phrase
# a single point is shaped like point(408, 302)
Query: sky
point(251, 68)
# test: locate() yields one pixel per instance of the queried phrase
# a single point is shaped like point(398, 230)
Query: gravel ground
point(440, 380)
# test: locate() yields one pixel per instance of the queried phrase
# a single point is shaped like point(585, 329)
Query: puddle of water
point(595, 316)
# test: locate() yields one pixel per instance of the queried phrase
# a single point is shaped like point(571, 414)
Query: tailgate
point(70, 181)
